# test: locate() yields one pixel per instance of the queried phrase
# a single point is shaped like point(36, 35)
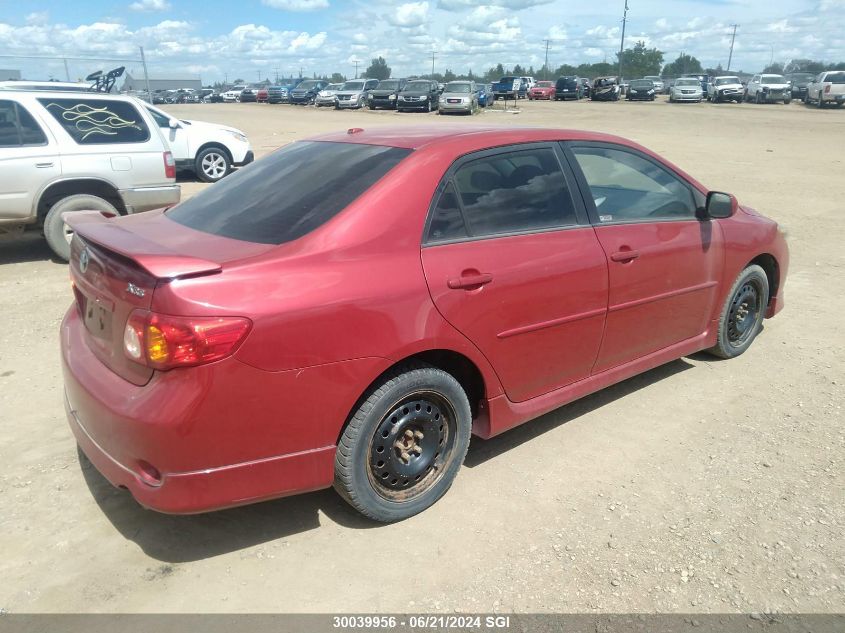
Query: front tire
point(404, 445)
point(212, 164)
point(59, 234)
point(742, 315)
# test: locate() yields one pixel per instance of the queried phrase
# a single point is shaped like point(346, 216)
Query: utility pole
point(622, 43)
point(433, 53)
point(67, 72)
point(546, 66)
point(731, 54)
point(356, 68)
point(146, 75)
point(259, 76)
point(276, 70)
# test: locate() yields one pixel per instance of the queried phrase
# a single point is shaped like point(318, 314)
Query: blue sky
point(252, 38)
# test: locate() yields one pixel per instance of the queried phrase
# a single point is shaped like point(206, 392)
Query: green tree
point(804, 66)
point(518, 70)
point(775, 68)
point(600, 69)
point(449, 76)
point(565, 70)
point(337, 78)
point(640, 61)
point(378, 69)
point(682, 65)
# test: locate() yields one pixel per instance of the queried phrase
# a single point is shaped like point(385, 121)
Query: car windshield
point(835, 78)
point(334, 87)
point(566, 82)
point(721, 81)
point(652, 77)
point(544, 84)
point(353, 85)
point(688, 82)
point(289, 193)
point(461, 88)
point(308, 85)
point(772, 79)
point(801, 77)
point(423, 86)
point(388, 84)
point(642, 83)
point(507, 79)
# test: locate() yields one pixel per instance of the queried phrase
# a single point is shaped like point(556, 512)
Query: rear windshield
point(566, 82)
point(835, 78)
point(289, 193)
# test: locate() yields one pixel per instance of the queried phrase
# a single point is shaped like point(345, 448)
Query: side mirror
point(173, 123)
point(719, 205)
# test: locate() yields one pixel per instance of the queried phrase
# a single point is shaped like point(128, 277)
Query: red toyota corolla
point(349, 309)
point(542, 90)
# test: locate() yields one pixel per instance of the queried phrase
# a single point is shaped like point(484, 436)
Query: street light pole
point(433, 53)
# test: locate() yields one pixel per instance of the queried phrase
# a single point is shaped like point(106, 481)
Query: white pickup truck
point(827, 87)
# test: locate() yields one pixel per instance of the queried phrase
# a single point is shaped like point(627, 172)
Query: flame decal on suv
point(89, 120)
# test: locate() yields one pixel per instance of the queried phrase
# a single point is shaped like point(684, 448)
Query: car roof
point(417, 137)
point(66, 94)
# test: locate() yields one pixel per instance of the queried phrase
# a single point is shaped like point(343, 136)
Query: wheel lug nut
point(418, 435)
point(405, 456)
point(409, 434)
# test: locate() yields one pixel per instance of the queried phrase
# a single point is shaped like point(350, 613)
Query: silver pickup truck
point(827, 88)
point(72, 151)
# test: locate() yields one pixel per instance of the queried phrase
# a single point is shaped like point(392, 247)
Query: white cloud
point(513, 5)
point(150, 5)
point(38, 17)
point(297, 5)
point(410, 14)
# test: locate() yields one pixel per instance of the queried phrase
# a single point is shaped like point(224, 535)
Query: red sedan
point(348, 310)
point(262, 95)
point(542, 90)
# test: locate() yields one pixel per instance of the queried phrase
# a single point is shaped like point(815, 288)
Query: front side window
point(159, 117)
point(17, 127)
point(289, 193)
point(627, 187)
point(523, 190)
point(98, 121)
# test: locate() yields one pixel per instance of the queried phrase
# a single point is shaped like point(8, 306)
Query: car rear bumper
point(140, 199)
point(216, 436)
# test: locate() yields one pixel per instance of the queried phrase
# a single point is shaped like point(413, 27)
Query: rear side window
point(289, 193)
point(98, 121)
point(512, 192)
point(17, 127)
point(836, 78)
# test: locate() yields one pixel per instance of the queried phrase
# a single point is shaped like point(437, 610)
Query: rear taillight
point(169, 165)
point(827, 89)
point(162, 341)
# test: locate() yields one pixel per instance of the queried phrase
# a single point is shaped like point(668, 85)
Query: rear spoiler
point(156, 259)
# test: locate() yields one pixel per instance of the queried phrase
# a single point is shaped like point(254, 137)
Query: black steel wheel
point(403, 447)
point(742, 315)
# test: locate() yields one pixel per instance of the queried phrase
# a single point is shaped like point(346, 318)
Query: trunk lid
point(116, 265)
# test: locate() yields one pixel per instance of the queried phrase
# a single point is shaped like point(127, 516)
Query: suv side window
point(98, 121)
point(160, 119)
point(627, 187)
point(517, 191)
point(17, 127)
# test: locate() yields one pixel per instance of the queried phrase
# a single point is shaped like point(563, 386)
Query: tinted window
point(96, 121)
point(515, 191)
point(447, 223)
point(289, 193)
point(17, 127)
point(160, 119)
point(835, 78)
point(627, 187)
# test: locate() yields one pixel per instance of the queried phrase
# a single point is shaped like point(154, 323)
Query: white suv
point(207, 149)
point(70, 151)
point(768, 89)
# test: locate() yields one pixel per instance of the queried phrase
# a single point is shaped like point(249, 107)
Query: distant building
point(162, 82)
point(7, 74)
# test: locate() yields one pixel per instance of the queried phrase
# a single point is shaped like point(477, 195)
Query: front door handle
point(624, 255)
point(470, 282)
point(43, 165)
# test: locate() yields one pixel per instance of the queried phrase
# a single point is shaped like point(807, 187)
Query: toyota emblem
point(84, 258)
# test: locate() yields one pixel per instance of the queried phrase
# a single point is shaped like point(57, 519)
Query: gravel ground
point(701, 486)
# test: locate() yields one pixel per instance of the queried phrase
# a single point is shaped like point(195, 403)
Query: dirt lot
point(700, 486)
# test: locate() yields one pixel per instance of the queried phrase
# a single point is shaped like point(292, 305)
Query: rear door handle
point(624, 256)
point(470, 281)
point(43, 165)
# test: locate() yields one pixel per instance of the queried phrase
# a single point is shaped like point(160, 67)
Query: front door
point(664, 264)
point(512, 263)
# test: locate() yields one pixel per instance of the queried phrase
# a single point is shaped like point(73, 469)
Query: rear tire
point(212, 164)
point(59, 234)
point(404, 445)
point(742, 315)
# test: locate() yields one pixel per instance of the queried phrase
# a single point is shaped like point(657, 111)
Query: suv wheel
point(59, 234)
point(212, 164)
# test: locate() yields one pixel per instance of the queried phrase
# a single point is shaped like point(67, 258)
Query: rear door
point(512, 263)
point(29, 159)
point(664, 264)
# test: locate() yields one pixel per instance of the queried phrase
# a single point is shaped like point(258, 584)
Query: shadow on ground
point(176, 539)
point(29, 247)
